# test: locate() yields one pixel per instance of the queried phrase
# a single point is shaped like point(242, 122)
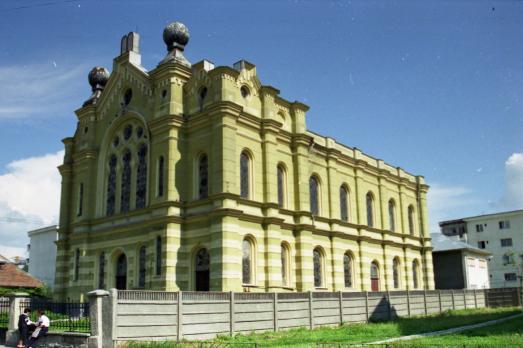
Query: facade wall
point(42, 254)
point(492, 235)
point(178, 125)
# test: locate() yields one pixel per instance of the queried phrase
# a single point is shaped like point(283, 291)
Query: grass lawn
point(350, 334)
point(506, 334)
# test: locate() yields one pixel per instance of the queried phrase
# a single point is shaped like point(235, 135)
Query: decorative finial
point(98, 78)
point(176, 36)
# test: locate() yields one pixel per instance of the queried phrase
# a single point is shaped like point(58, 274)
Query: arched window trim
point(348, 272)
point(344, 203)
point(281, 172)
point(392, 214)
point(369, 204)
point(286, 264)
point(246, 175)
point(252, 261)
point(396, 273)
point(315, 202)
point(142, 266)
point(411, 220)
point(319, 279)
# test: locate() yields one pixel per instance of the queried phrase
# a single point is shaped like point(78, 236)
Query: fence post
point(275, 309)
point(453, 304)
point(231, 313)
point(95, 314)
point(465, 298)
point(425, 301)
point(439, 298)
point(408, 303)
point(367, 305)
point(179, 314)
point(340, 295)
point(311, 323)
point(389, 305)
point(15, 300)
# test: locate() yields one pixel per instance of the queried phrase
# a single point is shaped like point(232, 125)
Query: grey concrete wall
point(144, 315)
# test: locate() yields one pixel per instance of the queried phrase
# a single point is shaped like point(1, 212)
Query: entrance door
point(121, 272)
point(374, 277)
point(202, 274)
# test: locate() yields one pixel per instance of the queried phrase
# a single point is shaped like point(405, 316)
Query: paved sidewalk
point(448, 331)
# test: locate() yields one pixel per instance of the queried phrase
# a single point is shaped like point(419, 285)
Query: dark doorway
point(202, 274)
point(121, 272)
point(374, 277)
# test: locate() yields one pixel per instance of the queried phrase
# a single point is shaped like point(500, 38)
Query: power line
point(50, 3)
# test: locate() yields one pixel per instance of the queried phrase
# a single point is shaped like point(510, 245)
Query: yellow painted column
point(304, 261)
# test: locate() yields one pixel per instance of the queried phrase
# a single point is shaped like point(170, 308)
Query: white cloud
point(29, 199)
point(513, 196)
point(39, 88)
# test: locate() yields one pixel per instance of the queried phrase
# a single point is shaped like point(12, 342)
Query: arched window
point(396, 272)
point(392, 215)
point(370, 210)
point(161, 168)
point(121, 272)
point(201, 97)
point(415, 274)
point(202, 275)
point(245, 175)
point(314, 195)
point(281, 186)
point(158, 255)
point(285, 265)
point(101, 271)
point(141, 266)
point(344, 204)
point(348, 270)
point(76, 264)
point(141, 177)
point(411, 220)
point(318, 267)
point(80, 199)
point(374, 276)
point(125, 197)
point(111, 186)
point(203, 177)
point(247, 262)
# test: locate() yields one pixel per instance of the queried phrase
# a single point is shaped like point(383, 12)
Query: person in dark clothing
point(42, 326)
point(24, 325)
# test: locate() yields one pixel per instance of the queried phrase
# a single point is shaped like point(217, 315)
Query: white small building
point(42, 254)
point(458, 265)
point(501, 234)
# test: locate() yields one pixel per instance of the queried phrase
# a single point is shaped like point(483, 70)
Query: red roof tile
point(12, 277)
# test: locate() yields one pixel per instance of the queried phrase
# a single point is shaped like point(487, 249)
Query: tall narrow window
point(285, 269)
point(158, 255)
point(111, 186)
point(392, 215)
point(370, 210)
point(76, 264)
point(101, 271)
point(415, 273)
point(203, 177)
point(318, 267)
point(281, 186)
point(347, 270)
point(396, 272)
point(141, 177)
point(411, 220)
point(244, 175)
point(314, 195)
point(374, 276)
point(125, 197)
point(161, 174)
point(344, 204)
point(247, 262)
point(141, 266)
point(80, 199)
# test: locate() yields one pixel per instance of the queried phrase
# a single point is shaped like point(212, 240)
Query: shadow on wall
point(383, 309)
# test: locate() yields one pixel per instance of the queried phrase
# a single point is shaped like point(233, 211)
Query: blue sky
point(432, 86)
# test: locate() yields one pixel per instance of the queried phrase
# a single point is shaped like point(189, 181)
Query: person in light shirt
point(42, 326)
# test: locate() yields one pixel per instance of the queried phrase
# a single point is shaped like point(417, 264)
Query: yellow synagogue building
point(200, 178)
